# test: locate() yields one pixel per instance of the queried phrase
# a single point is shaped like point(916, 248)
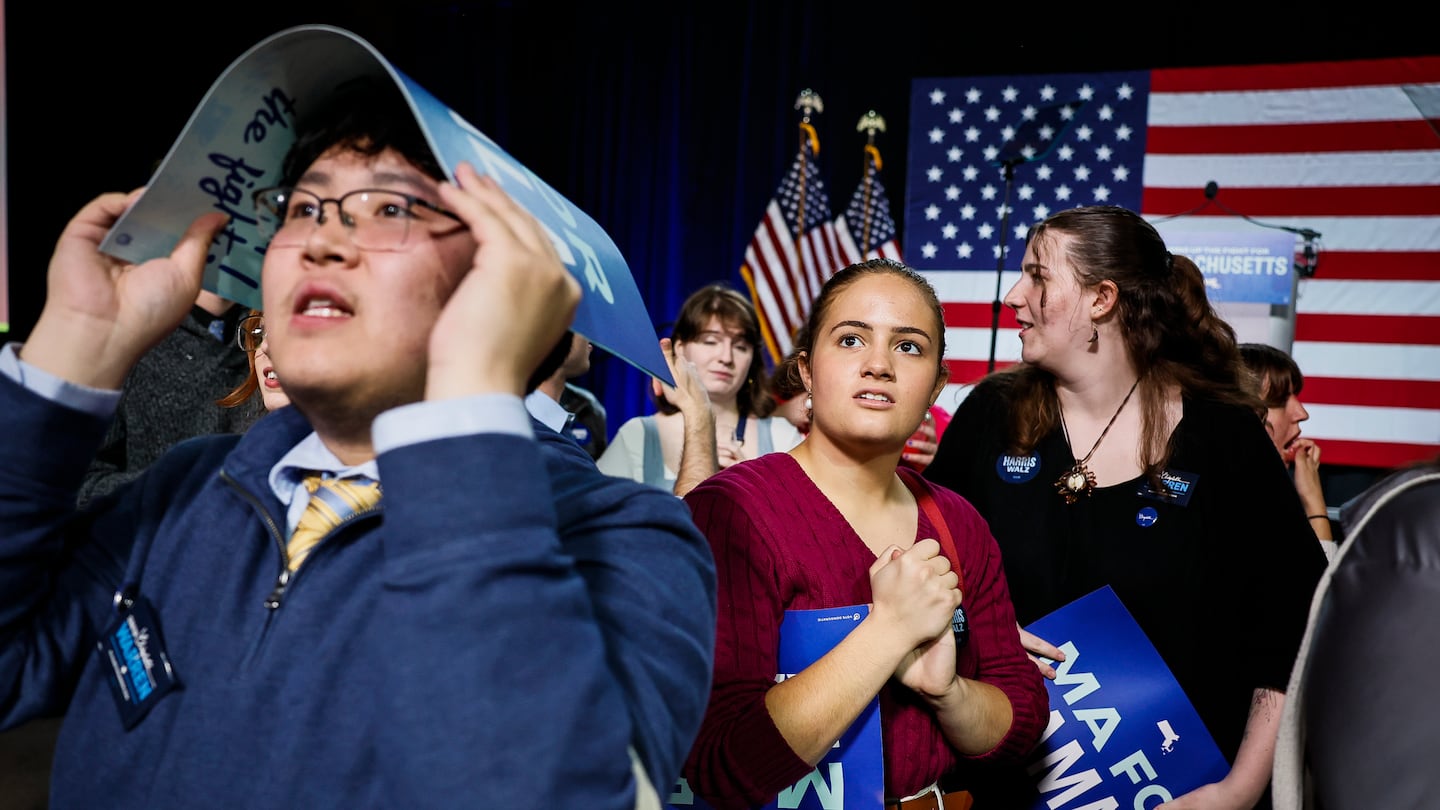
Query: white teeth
point(876, 397)
point(270, 375)
point(322, 308)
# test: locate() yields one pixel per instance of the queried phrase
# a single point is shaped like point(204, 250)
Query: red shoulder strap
point(926, 500)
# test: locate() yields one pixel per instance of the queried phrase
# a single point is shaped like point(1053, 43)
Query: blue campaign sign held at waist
point(852, 774)
point(1122, 732)
point(237, 138)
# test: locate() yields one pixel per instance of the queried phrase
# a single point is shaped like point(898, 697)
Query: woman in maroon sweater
point(834, 522)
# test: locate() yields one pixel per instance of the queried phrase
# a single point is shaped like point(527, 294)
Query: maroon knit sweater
point(779, 545)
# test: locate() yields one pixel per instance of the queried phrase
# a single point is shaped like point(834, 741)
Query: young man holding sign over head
point(507, 627)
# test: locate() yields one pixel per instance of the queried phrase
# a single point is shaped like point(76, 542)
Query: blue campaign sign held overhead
point(237, 138)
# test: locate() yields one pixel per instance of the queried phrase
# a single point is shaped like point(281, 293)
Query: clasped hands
point(916, 591)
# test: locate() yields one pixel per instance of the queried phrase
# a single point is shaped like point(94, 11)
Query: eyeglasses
point(378, 219)
point(251, 332)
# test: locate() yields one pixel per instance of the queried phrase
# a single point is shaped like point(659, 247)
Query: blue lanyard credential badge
point(139, 665)
point(1179, 486)
point(1017, 469)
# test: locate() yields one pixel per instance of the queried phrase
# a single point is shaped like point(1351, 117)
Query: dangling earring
point(809, 406)
point(1094, 333)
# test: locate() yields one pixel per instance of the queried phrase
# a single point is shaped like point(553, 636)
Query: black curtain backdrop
point(671, 126)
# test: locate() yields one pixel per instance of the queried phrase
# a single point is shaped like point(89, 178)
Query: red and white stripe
point(1346, 149)
point(786, 275)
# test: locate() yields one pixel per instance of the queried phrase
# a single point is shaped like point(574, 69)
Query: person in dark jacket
point(567, 407)
point(506, 627)
point(172, 395)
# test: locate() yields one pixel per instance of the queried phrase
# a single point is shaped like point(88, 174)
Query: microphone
point(1211, 189)
point(1306, 267)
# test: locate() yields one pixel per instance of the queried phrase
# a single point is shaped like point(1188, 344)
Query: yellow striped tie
point(332, 501)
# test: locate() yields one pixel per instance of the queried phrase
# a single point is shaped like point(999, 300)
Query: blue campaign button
point(1146, 517)
point(1017, 469)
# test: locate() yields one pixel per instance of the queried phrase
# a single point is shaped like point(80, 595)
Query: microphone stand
point(995, 305)
point(1032, 141)
point(1305, 268)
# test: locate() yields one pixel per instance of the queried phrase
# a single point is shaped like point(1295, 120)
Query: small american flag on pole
point(866, 229)
point(795, 248)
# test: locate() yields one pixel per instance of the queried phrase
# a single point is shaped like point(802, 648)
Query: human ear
point(940, 380)
point(1106, 296)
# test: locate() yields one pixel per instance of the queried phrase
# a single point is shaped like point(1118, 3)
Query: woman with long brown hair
point(1126, 449)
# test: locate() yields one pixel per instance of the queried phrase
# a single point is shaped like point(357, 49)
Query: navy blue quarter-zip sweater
point(499, 634)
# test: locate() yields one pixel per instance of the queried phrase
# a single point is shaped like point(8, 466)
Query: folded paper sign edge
point(237, 136)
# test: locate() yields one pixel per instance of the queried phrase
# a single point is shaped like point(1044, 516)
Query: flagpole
point(870, 123)
point(1031, 141)
point(807, 102)
point(795, 246)
point(995, 305)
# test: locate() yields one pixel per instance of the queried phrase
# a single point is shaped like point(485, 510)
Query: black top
point(170, 395)
point(1220, 578)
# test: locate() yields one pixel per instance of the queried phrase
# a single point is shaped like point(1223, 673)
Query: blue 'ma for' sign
point(1122, 733)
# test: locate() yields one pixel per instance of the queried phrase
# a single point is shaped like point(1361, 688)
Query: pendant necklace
point(1079, 480)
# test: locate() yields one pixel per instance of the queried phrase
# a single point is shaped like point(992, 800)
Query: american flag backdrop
point(794, 249)
point(1347, 149)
